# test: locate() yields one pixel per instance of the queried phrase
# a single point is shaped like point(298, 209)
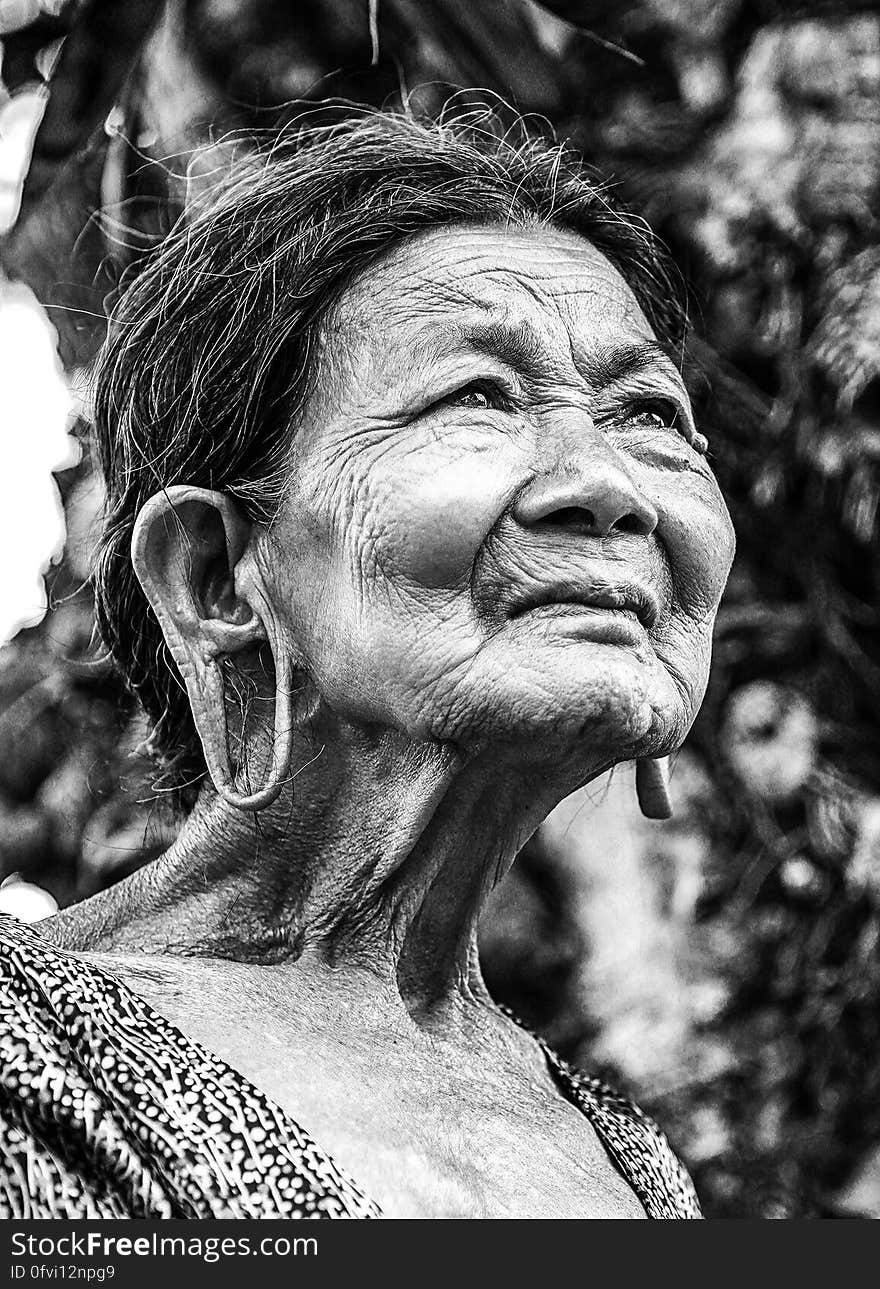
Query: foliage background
point(722, 966)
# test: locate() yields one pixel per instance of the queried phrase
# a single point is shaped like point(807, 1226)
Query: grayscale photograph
point(439, 622)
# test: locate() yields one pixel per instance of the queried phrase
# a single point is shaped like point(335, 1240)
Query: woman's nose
point(594, 497)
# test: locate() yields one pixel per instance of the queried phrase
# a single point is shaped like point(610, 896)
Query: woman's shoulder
point(635, 1144)
point(638, 1147)
point(53, 1120)
point(33, 984)
point(47, 994)
point(108, 1110)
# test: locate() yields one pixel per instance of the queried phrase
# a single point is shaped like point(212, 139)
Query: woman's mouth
point(600, 623)
point(629, 603)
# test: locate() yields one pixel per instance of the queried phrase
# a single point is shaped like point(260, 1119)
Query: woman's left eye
point(662, 414)
point(656, 411)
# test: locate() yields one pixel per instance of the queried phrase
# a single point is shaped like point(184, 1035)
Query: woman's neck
point(377, 859)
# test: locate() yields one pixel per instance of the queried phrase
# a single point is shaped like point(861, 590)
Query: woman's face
point(497, 529)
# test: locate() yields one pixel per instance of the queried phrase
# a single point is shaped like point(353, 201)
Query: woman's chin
point(559, 698)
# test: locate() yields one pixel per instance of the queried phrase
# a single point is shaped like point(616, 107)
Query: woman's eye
point(656, 412)
point(476, 394)
point(663, 414)
point(472, 398)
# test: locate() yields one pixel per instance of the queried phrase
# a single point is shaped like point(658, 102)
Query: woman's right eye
point(471, 396)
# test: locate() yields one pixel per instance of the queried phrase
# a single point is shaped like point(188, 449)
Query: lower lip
point(606, 626)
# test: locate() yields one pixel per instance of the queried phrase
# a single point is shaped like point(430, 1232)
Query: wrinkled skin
point(495, 572)
point(443, 483)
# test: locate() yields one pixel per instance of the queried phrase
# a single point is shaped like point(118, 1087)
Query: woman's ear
point(188, 550)
point(185, 547)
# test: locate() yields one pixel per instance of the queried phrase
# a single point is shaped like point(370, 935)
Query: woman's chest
point(424, 1141)
point(423, 1132)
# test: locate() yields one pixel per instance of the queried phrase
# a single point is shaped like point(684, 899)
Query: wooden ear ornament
point(652, 787)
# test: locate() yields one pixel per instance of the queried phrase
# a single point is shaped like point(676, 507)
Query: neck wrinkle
point(377, 860)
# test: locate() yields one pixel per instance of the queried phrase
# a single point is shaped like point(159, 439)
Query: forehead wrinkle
point(452, 292)
point(541, 320)
point(414, 296)
point(511, 339)
point(399, 283)
point(482, 285)
point(487, 286)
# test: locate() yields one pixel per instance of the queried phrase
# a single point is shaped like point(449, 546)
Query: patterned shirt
point(108, 1111)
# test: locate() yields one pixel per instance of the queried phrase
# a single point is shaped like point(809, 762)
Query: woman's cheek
point(695, 527)
point(444, 505)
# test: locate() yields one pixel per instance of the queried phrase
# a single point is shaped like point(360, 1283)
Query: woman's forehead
point(548, 283)
point(452, 271)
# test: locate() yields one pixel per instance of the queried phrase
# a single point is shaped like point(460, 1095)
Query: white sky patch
point(36, 407)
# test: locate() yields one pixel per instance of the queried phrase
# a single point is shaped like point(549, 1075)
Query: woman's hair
point(210, 350)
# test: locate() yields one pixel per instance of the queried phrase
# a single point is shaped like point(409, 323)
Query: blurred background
point(722, 966)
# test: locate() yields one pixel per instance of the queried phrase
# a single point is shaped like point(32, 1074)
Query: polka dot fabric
point(108, 1111)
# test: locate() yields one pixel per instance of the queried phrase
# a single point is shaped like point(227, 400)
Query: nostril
point(632, 524)
point(586, 502)
point(574, 519)
point(581, 520)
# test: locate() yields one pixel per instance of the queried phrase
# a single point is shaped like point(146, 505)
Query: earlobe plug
point(652, 787)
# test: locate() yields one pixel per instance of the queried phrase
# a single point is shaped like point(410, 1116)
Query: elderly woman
point(409, 535)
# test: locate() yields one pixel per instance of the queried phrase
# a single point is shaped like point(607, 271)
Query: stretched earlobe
point(215, 740)
point(652, 787)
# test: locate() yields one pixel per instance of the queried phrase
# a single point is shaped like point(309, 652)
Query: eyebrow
point(521, 347)
point(517, 344)
point(608, 366)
